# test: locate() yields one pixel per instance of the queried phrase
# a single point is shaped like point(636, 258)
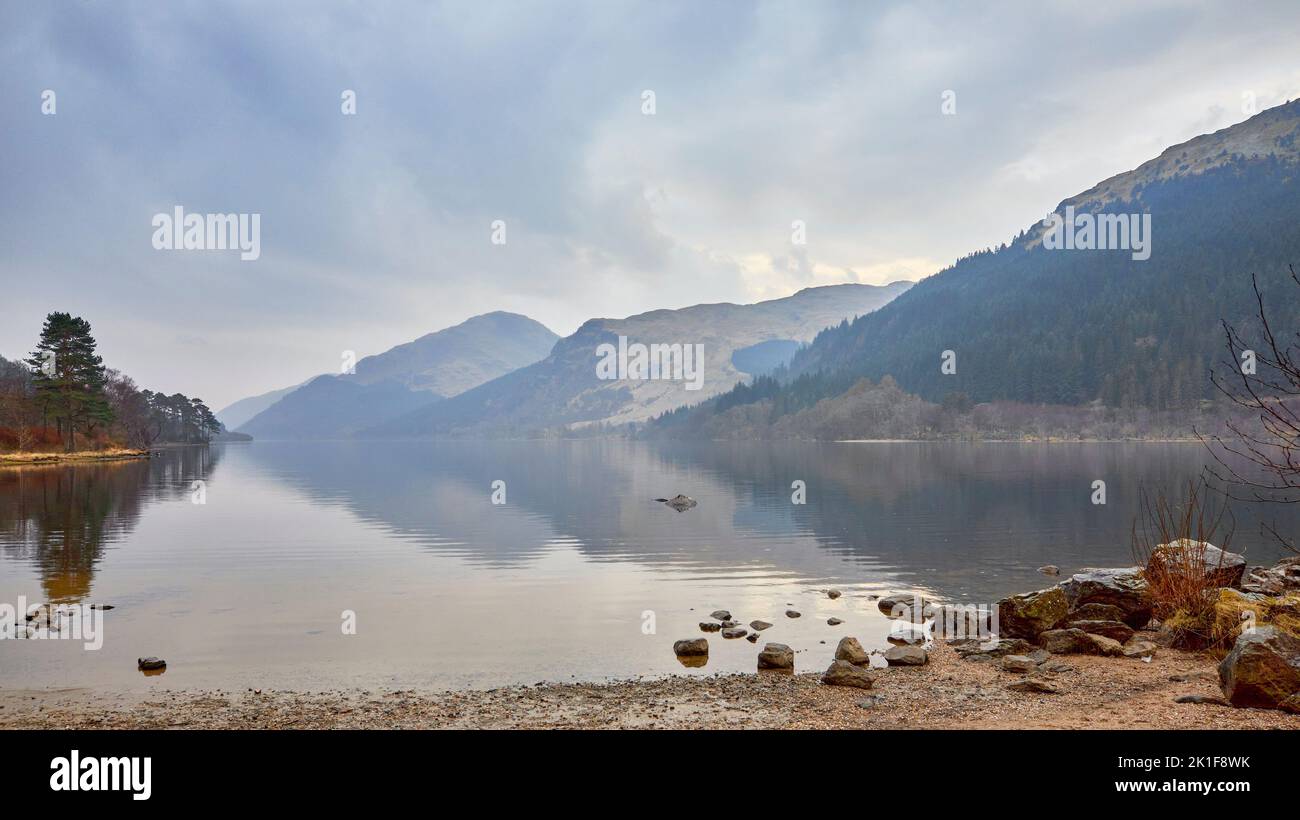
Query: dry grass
point(109, 454)
point(1169, 540)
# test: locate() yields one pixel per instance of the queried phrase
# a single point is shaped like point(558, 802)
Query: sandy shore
point(1101, 693)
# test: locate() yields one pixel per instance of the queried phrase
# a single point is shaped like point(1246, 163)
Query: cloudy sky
point(376, 228)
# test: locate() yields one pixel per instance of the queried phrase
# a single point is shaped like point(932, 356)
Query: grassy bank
point(18, 459)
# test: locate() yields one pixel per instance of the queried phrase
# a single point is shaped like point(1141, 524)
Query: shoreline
point(25, 459)
point(948, 693)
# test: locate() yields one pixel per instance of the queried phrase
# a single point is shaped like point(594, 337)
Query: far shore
point(24, 458)
point(1093, 693)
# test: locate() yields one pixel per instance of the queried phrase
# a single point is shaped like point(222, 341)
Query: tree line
point(63, 395)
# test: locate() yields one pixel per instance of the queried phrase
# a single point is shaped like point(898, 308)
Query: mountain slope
point(236, 414)
point(564, 390)
point(1033, 324)
point(406, 377)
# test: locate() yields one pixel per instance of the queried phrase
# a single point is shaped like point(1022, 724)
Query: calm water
point(250, 587)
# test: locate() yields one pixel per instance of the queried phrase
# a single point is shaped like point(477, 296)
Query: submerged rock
point(691, 647)
point(720, 614)
point(759, 626)
point(843, 673)
point(1050, 569)
point(679, 502)
point(776, 656)
point(706, 626)
point(752, 637)
point(905, 605)
point(790, 613)
point(735, 632)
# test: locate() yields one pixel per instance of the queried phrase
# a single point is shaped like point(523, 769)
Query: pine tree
point(69, 377)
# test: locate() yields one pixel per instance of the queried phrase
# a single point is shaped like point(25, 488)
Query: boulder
point(1115, 630)
point(150, 664)
point(1096, 612)
point(850, 650)
point(759, 626)
point(1262, 670)
point(708, 626)
point(1109, 647)
point(691, 647)
point(906, 656)
point(1067, 642)
point(1019, 663)
point(735, 632)
point(776, 656)
point(973, 649)
point(1121, 587)
point(843, 673)
point(1031, 613)
point(1217, 567)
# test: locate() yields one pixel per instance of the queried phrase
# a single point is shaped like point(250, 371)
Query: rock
point(1050, 569)
point(1217, 567)
point(1031, 613)
point(1096, 612)
point(150, 664)
point(759, 626)
point(906, 656)
point(735, 632)
point(1115, 630)
point(1262, 670)
point(1018, 663)
point(790, 613)
point(679, 502)
point(1039, 656)
point(720, 614)
point(850, 650)
point(1212, 700)
point(977, 650)
point(1108, 647)
point(752, 637)
point(1067, 642)
point(1121, 587)
point(867, 703)
point(833, 594)
point(776, 656)
point(691, 647)
point(1139, 648)
point(1280, 579)
point(906, 632)
point(1057, 668)
point(843, 673)
point(901, 606)
point(729, 624)
point(706, 626)
point(833, 622)
point(1033, 685)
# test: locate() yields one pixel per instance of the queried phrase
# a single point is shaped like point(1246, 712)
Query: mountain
point(1032, 322)
point(404, 378)
point(564, 389)
point(236, 414)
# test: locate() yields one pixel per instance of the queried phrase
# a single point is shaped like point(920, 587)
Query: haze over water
point(449, 590)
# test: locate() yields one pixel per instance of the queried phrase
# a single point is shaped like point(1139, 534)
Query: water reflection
point(61, 518)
